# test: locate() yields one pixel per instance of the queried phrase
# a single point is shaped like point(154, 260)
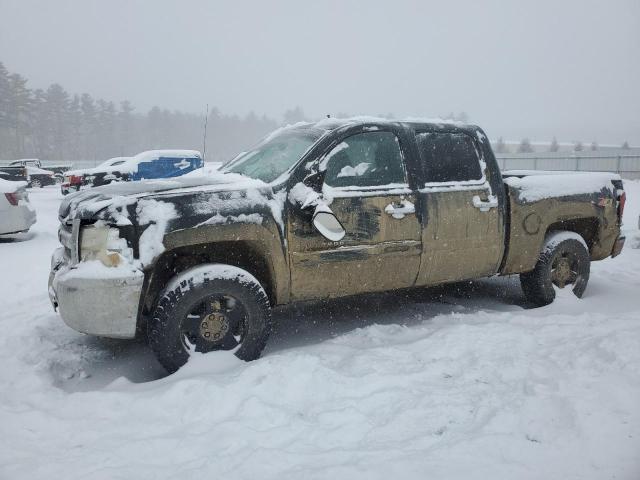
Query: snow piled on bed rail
point(538, 187)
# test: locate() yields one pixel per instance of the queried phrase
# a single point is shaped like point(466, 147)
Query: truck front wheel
point(206, 308)
point(564, 262)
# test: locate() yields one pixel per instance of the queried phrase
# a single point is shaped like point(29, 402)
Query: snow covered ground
point(457, 382)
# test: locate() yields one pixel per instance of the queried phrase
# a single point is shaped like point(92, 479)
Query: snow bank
point(537, 187)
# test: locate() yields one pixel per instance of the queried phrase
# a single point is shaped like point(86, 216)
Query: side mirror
point(327, 224)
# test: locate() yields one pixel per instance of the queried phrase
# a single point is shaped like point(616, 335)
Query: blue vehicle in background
point(146, 165)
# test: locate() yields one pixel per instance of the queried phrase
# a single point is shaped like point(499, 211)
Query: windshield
point(273, 156)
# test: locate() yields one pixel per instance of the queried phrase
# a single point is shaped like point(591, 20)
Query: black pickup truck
point(31, 171)
point(320, 210)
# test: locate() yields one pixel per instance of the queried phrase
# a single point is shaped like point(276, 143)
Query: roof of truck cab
point(330, 124)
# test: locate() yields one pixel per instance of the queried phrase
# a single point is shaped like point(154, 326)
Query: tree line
point(525, 146)
point(54, 124)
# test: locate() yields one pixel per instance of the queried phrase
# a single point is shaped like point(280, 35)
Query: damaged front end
point(95, 281)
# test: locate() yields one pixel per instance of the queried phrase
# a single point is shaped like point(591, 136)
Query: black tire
point(36, 184)
point(199, 299)
point(562, 251)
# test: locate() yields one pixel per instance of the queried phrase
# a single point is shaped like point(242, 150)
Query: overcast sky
point(534, 68)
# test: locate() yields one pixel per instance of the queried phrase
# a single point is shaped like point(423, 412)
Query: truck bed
point(543, 201)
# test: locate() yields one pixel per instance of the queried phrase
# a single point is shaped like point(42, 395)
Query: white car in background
point(16, 213)
point(75, 179)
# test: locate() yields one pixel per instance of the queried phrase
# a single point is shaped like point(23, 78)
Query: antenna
point(204, 139)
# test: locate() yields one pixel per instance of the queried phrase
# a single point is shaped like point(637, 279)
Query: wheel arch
point(247, 255)
point(586, 227)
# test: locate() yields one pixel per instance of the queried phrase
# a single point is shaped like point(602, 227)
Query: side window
point(364, 160)
point(449, 157)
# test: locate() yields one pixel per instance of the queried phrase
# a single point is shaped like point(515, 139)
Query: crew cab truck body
point(334, 208)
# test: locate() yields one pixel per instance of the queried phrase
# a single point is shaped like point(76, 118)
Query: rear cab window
point(449, 159)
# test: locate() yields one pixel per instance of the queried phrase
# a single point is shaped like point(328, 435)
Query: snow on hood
point(107, 167)
point(87, 203)
point(31, 170)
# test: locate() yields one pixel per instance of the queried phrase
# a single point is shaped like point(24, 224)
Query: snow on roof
point(153, 154)
point(332, 123)
point(31, 170)
point(131, 164)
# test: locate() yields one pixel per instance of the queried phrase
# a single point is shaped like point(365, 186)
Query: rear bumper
point(102, 305)
point(617, 246)
point(16, 219)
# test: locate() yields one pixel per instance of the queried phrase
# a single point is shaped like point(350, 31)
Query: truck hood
point(87, 204)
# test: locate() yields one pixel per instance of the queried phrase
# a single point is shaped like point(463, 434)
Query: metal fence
point(628, 166)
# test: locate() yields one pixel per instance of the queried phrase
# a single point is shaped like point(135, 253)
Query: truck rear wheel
point(564, 262)
point(207, 308)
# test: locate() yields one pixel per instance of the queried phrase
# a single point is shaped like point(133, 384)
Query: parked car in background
point(315, 211)
point(151, 164)
point(57, 169)
point(35, 177)
point(16, 213)
point(74, 179)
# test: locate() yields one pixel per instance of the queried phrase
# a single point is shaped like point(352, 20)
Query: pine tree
point(19, 110)
point(89, 127)
point(57, 106)
point(578, 147)
point(625, 145)
point(125, 130)
point(40, 126)
point(594, 146)
point(105, 121)
point(525, 146)
point(554, 147)
point(75, 128)
point(5, 93)
point(5, 124)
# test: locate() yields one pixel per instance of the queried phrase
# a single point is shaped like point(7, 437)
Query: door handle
point(399, 210)
point(485, 205)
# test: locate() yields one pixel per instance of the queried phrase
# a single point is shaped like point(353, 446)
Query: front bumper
point(103, 304)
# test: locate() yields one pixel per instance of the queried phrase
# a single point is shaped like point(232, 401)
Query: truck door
point(366, 184)
point(463, 234)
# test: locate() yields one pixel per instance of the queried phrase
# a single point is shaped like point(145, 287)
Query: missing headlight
point(102, 242)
